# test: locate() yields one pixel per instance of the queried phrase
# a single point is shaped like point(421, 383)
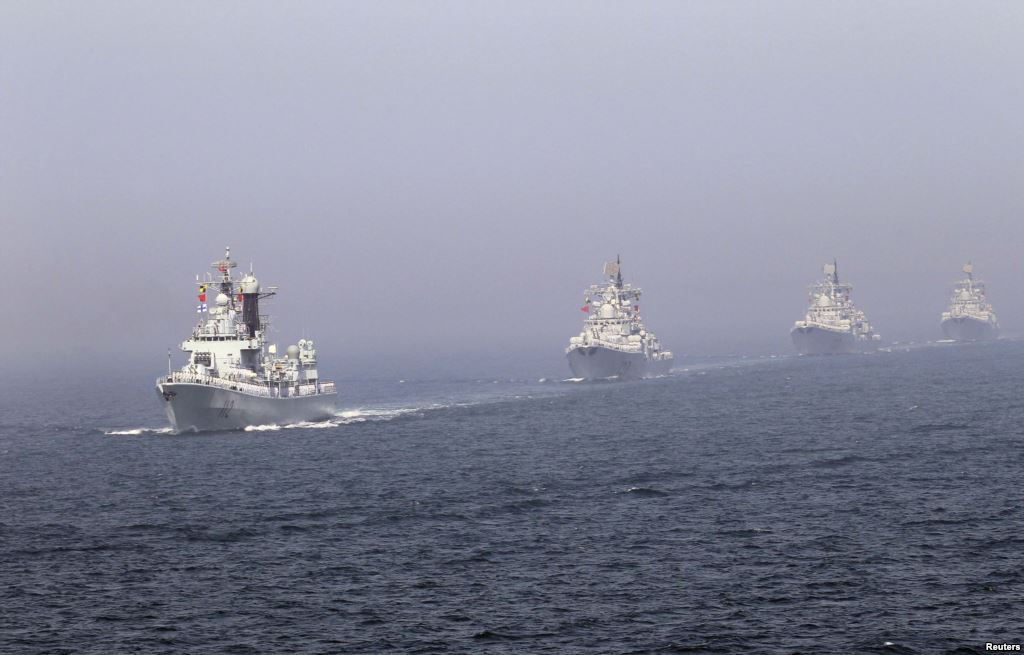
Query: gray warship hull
point(200, 408)
point(812, 340)
point(598, 363)
point(965, 328)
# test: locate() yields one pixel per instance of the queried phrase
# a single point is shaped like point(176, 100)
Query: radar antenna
point(614, 271)
point(831, 272)
point(224, 266)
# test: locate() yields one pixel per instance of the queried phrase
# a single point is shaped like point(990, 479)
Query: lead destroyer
point(614, 342)
point(232, 378)
point(832, 324)
point(970, 316)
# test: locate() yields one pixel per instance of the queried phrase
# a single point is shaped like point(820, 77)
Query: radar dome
point(823, 301)
point(250, 284)
point(607, 310)
point(293, 352)
point(222, 299)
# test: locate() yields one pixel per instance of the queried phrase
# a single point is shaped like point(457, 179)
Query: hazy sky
point(445, 178)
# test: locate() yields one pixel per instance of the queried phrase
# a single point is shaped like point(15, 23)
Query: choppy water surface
point(846, 504)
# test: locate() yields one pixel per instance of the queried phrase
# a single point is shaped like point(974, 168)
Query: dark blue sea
point(851, 504)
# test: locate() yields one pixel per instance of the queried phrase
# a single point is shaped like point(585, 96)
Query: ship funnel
point(250, 288)
point(250, 284)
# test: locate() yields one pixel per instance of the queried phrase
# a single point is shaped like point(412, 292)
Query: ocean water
point(860, 504)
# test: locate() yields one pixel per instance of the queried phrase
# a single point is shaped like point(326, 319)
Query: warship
point(832, 324)
point(233, 378)
point(970, 316)
point(614, 342)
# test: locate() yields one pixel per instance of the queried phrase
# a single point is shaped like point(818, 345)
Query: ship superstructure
point(833, 324)
point(970, 316)
point(614, 342)
point(233, 378)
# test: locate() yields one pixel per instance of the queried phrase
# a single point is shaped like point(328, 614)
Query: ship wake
point(350, 417)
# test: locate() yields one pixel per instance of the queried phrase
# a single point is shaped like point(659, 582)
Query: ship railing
point(835, 327)
point(253, 388)
point(622, 347)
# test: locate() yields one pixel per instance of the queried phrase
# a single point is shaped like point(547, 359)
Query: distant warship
point(614, 342)
point(232, 378)
point(970, 316)
point(832, 324)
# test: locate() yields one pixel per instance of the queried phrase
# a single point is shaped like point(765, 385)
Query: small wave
point(645, 492)
point(926, 428)
point(574, 380)
point(745, 532)
point(836, 462)
point(518, 507)
point(221, 534)
point(698, 647)
point(134, 432)
point(502, 634)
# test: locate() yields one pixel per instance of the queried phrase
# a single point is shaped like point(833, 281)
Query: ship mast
point(969, 270)
point(224, 266)
point(831, 285)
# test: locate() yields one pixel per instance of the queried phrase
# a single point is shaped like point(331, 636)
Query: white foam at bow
point(137, 431)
